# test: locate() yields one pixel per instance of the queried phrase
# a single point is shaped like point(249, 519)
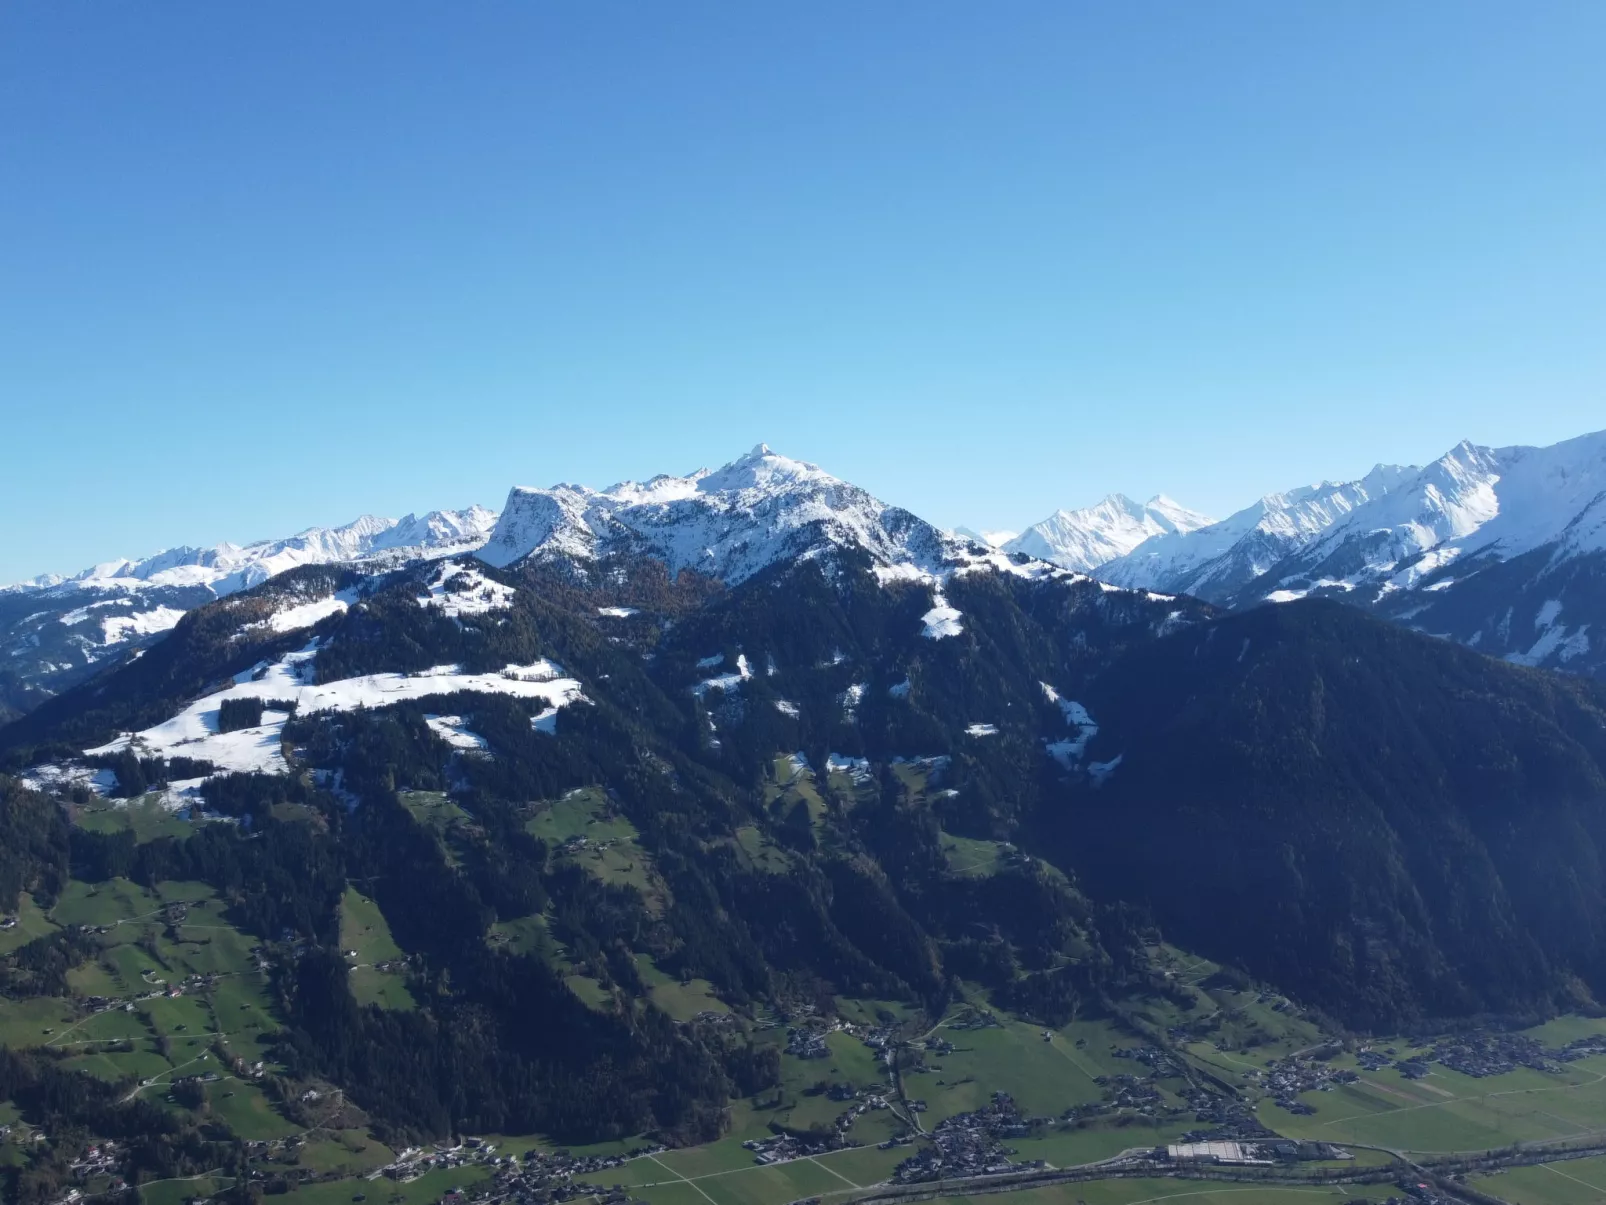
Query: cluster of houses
point(806, 1043)
point(1227, 1117)
point(782, 1148)
point(538, 1173)
point(540, 1178)
point(1482, 1053)
point(1162, 1064)
point(970, 1144)
point(1122, 1092)
point(101, 1159)
point(1285, 1079)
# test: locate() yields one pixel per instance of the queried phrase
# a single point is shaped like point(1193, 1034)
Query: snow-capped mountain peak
point(1495, 503)
point(1215, 559)
point(728, 522)
point(1085, 539)
point(991, 539)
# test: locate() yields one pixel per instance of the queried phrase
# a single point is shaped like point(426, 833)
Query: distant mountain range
point(1096, 535)
point(1502, 549)
point(55, 631)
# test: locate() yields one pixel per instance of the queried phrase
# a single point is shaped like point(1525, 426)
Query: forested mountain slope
point(1380, 821)
point(797, 777)
point(785, 758)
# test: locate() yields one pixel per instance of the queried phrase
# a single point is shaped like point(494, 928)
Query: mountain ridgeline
point(709, 731)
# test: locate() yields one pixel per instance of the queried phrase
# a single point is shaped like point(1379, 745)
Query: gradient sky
point(267, 266)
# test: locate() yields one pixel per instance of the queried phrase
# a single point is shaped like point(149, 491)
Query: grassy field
point(365, 937)
point(1570, 1182)
point(792, 786)
point(526, 935)
point(247, 1111)
point(114, 902)
point(148, 817)
point(426, 1190)
point(31, 923)
point(1448, 1111)
point(726, 1174)
point(450, 823)
point(970, 857)
point(584, 828)
point(1145, 1192)
point(682, 1001)
point(176, 1192)
point(758, 852)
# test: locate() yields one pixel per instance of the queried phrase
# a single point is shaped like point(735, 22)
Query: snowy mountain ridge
point(1212, 561)
point(1500, 548)
point(226, 568)
point(1084, 539)
point(56, 630)
point(729, 523)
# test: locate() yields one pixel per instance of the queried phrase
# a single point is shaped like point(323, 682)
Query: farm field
point(730, 1176)
point(1150, 1192)
point(1447, 1111)
point(1569, 1182)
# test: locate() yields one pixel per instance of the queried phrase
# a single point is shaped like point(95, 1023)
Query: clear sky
point(264, 266)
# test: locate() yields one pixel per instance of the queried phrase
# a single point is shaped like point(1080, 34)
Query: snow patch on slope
point(729, 681)
point(115, 629)
point(194, 732)
point(453, 729)
point(942, 621)
point(462, 590)
point(307, 614)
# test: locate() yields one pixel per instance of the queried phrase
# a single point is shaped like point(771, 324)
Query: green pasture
point(1565, 1182)
point(682, 1001)
point(611, 848)
point(366, 940)
point(31, 923)
point(147, 817)
point(451, 825)
point(1152, 1191)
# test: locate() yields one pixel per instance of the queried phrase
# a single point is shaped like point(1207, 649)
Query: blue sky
point(266, 266)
